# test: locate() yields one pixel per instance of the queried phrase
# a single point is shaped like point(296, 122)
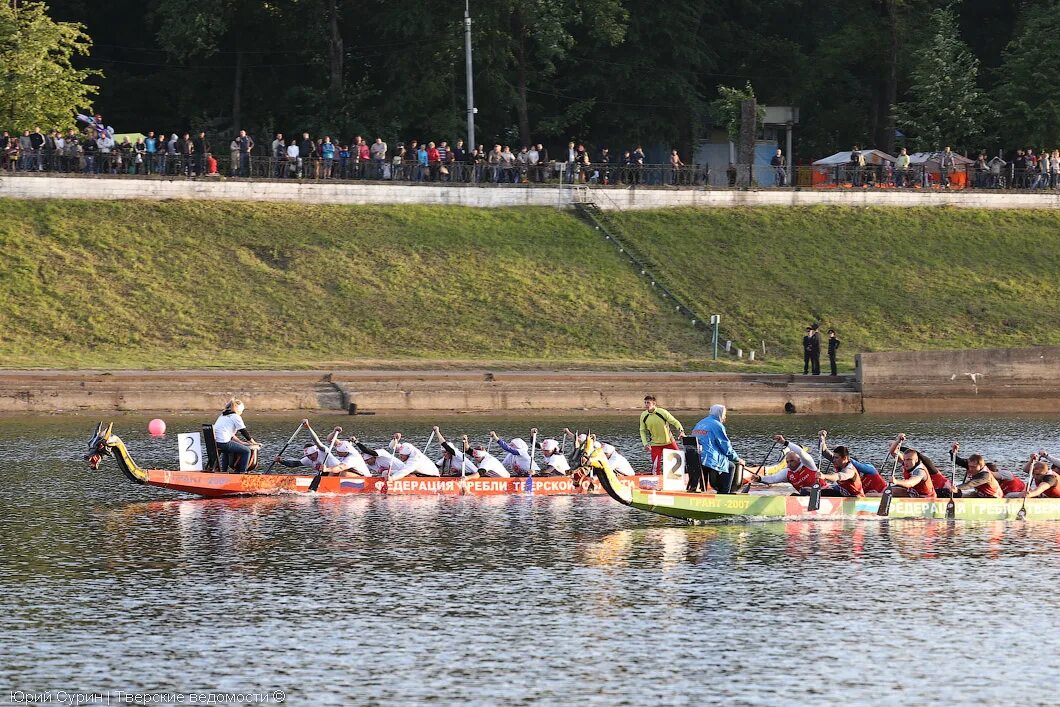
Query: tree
point(945, 105)
point(726, 108)
point(1026, 93)
point(41, 86)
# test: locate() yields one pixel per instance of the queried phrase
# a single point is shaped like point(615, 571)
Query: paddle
point(533, 444)
point(315, 483)
point(814, 502)
point(1022, 513)
point(761, 468)
point(951, 506)
point(303, 423)
point(429, 440)
point(888, 493)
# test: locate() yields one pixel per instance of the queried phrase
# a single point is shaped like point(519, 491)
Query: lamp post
point(471, 110)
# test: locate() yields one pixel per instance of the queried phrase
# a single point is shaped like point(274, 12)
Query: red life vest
point(851, 487)
point(924, 489)
point(874, 483)
point(991, 489)
point(1012, 485)
point(1054, 492)
point(940, 482)
point(802, 478)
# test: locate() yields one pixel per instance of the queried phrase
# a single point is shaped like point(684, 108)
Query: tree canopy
point(40, 86)
point(603, 72)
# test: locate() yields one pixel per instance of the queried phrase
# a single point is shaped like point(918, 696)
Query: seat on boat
point(212, 458)
point(697, 480)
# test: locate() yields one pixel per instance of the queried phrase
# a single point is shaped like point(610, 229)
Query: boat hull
point(703, 507)
point(210, 484)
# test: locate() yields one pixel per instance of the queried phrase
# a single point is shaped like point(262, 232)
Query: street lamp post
point(471, 110)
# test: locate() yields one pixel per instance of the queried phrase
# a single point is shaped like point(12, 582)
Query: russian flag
point(355, 484)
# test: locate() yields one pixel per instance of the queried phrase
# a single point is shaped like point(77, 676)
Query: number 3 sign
point(190, 445)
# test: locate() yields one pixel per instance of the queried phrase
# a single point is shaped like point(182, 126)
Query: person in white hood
point(409, 460)
point(618, 463)
point(555, 464)
point(349, 463)
point(518, 459)
point(378, 461)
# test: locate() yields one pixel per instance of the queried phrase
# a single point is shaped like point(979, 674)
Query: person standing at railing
point(676, 164)
point(378, 154)
point(777, 163)
point(946, 167)
point(105, 160)
point(638, 164)
point(279, 154)
point(605, 165)
point(306, 150)
point(459, 163)
point(542, 162)
point(901, 169)
point(186, 148)
point(397, 162)
point(327, 154)
point(294, 160)
point(201, 147)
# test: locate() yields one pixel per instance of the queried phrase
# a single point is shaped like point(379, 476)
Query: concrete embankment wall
point(412, 392)
point(977, 380)
point(51, 187)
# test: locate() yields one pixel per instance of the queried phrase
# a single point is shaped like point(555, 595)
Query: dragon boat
point(105, 443)
point(700, 507)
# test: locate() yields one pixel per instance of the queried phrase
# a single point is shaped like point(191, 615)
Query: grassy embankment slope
point(884, 278)
point(197, 284)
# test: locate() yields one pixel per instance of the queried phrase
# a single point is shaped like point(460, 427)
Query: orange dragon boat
point(215, 484)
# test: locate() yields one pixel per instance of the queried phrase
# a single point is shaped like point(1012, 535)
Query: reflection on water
point(107, 585)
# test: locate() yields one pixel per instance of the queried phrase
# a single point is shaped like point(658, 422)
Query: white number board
point(190, 446)
point(673, 474)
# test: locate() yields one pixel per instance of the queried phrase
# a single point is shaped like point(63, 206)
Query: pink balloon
point(156, 427)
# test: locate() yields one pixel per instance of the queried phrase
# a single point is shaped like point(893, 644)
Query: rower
point(349, 463)
point(378, 461)
point(1011, 485)
point(455, 462)
point(311, 458)
point(868, 478)
point(618, 463)
point(939, 481)
point(553, 461)
point(916, 479)
point(409, 460)
point(980, 482)
point(485, 463)
point(518, 460)
point(1045, 471)
point(800, 469)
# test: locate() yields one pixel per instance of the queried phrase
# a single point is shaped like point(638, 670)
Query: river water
point(106, 586)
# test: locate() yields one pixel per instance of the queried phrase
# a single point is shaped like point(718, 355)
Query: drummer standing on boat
point(655, 433)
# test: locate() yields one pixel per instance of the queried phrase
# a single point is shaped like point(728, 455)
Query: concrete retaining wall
point(979, 380)
point(103, 187)
point(417, 391)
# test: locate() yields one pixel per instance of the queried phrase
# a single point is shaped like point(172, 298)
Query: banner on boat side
point(190, 451)
point(673, 475)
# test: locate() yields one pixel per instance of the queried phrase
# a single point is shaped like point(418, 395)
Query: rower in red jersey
point(800, 470)
point(916, 479)
point(1045, 473)
point(939, 481)
point(1011, 485)
point(980, 482)
point(852, 478)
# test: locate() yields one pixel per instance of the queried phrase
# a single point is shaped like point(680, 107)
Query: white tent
point(842, 158)
point(930, 160)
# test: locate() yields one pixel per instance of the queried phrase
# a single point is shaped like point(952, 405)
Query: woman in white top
point(229, 424)
point(408, 459)
point(618, 463)
point(553, 461)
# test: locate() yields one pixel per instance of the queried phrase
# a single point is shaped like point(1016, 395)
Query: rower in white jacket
point(410, 460)
point(618, 463)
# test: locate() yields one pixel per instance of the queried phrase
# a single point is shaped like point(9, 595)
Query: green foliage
point(41, 86)
point(1027, 93)
point(726, 109)
point(945, 105)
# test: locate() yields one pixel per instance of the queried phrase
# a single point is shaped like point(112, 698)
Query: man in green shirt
point(655, 434)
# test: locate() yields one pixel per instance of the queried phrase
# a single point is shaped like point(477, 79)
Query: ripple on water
point(107, 585)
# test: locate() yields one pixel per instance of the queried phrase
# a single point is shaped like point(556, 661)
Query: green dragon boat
point(698, 507)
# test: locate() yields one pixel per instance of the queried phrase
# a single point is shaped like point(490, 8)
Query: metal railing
point(132, 164)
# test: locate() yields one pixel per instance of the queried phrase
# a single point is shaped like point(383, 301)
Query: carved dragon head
point(99, 446)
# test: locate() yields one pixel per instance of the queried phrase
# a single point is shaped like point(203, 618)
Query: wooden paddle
point(315, 483)
point(951, 506)
point(761, 468)
point(814, 502)
point(1022, 513)
point(533, 443)
point(303, 423)
point(888, 493)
